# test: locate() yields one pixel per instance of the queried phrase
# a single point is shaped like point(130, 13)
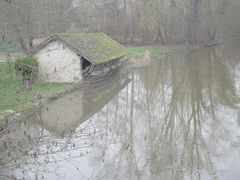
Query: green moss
point(28, 61)
point(96, 47)
point(14, 96)
point(140, 51)
point(27, 67)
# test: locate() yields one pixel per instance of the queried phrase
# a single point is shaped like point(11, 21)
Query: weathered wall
point(57, 63)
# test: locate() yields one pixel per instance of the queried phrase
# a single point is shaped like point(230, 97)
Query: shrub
point(28, 68)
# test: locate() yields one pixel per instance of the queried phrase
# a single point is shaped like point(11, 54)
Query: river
point(175, 117)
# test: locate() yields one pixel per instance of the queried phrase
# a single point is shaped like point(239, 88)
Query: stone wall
point(57, 63)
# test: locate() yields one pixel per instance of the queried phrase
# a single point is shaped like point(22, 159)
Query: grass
point(9, 47)
point(14, 96)
point(140, 51)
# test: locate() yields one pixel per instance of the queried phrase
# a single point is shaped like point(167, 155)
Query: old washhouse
point(69, 57)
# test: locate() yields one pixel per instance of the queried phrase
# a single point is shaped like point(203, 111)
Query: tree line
point(128, 21)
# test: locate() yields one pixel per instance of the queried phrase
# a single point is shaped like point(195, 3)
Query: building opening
point(85, 65)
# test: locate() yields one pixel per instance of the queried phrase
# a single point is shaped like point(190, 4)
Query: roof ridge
point(76, 34)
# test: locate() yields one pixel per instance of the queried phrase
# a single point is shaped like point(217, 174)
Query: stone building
point(67, 58)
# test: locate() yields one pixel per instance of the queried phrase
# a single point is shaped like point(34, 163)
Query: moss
point(96, 47)
point(28, 61)
point(28, 68)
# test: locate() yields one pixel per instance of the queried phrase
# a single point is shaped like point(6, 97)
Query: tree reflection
point(170, 122)
point(179, 109)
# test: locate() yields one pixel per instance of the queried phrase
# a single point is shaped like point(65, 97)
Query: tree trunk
point(160, 36)
point(20, 40)
point(105, 16)
point(192, 22)
point(3, 36)
point(125, 7)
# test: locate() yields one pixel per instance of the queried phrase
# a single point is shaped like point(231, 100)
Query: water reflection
point(195, 92)
point(64, 115)
point(176, 119)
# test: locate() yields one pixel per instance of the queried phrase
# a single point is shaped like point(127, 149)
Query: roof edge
point(55, 37)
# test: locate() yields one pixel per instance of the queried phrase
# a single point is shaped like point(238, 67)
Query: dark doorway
point(85, 67)
point(85, 63)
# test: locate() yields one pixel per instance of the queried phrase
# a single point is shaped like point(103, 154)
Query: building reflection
point(177, 119)
point(65, 114)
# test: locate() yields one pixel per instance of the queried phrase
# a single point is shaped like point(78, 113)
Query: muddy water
point(176, 117)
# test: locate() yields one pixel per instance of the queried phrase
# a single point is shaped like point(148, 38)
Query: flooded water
point(176, 117)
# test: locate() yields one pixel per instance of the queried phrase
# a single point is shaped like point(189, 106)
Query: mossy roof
point(95, 47)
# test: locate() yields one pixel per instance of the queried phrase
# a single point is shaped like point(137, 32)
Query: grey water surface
point(177, 117)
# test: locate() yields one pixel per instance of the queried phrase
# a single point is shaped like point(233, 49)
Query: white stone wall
point(57, 63)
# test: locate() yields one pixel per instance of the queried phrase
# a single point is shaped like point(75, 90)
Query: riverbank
point(142, 55)
point(138, 52)
point(15, 97)
point(9, 47)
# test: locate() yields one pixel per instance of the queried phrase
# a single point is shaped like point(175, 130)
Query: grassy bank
point(9, 47)
point(15, 97)
point(153, 50)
